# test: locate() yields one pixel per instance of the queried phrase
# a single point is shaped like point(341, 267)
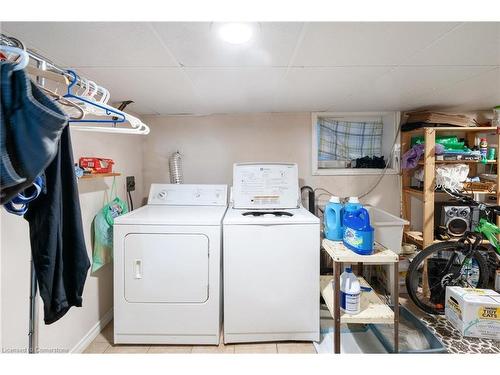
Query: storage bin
point(408, 324)
point(388, 228)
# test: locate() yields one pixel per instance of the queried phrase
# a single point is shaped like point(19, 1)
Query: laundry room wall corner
point(79, 325)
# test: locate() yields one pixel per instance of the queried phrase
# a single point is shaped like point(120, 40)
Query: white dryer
point(167, 267)
point(271, 258)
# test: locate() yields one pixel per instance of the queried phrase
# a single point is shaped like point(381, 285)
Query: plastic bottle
point(483, 148)
point(352, 205)
point(350, 292)
point(333, 220)
point(358, 233)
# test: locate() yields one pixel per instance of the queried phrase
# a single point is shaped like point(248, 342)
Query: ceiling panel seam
point(180, 66)
point(290, 62)
point(443, 35)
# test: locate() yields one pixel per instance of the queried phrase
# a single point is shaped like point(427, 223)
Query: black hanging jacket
point(56, 234)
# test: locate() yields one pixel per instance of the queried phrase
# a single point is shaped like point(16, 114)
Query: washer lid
point(173, 215)
point(269, 217)
point(265, 185)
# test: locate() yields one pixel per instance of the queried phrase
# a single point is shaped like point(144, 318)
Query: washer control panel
point(188, 195)
point(265, 185)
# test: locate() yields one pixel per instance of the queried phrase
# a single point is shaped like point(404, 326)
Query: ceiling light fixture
point(236, 33)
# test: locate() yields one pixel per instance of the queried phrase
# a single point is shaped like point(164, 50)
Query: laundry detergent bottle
point(352, 205)
point(350, 292)
point(358, 233)
point(333, 219)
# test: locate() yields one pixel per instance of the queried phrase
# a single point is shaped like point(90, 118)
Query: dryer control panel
point(188, 195)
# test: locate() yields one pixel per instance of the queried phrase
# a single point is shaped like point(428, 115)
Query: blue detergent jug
point(352, 205)
point(333, 220)
point(358, 233)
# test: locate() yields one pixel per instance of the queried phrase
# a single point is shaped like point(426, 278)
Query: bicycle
point(454, 263)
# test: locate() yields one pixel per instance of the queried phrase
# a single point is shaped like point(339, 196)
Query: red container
point(97, 165)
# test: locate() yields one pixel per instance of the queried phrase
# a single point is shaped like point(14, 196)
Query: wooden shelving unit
point(98, 175)
point(372, 310)
point(428, 195)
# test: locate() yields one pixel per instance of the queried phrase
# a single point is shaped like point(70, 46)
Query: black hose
point(311, 198)
point(131, 202)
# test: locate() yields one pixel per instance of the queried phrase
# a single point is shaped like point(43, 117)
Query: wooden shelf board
point(421, 162)
point(416, 238)
point(373, 310)
point(415, 192)
point(99, 175)
point(339, 253)
point(477, 129)
point(420, 194)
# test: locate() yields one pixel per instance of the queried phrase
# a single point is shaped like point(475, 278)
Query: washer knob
point(162, 195)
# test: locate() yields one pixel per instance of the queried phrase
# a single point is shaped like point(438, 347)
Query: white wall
point(126, 150)
point(211, 144)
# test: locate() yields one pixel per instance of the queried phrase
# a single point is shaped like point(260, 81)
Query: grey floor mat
point(455, 342)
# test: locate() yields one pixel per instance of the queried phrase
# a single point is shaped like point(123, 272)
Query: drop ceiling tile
point(228, 90)
point(365, 43)
point(197, 44)
point(78, 44)
point(137, 108)
point(155, 90)
point(401, 87)
point(315, 89)
point(479, 92)
point(473, 43)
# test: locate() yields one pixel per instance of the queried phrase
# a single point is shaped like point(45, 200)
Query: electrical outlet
point(130, 183)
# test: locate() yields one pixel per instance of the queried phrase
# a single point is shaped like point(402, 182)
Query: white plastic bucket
point(388, 228)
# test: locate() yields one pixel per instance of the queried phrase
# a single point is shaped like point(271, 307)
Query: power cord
point(131, 202)
point(391, 156)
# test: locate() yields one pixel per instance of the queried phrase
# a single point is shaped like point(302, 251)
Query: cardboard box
point(474, 312)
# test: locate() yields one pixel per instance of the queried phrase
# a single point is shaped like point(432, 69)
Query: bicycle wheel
point(447, 265)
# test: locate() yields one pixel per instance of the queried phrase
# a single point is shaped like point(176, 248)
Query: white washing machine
point(271, 258)
point(167, 267)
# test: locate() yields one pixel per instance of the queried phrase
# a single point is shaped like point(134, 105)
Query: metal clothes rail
point(46, 69)
point(43, 62)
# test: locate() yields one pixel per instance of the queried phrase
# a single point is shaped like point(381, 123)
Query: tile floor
point(103, 343)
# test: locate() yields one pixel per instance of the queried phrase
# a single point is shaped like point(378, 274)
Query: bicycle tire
point(426, 253)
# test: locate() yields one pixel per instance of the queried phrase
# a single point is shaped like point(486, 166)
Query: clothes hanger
point(83, 86)
point(23, 55)
point(106, 95)
point(91, 93)
point(65, 102)
point(109, 111)
point(100, 129)
point(56, 77)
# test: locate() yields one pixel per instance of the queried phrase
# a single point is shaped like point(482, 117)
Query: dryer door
point(168, 268)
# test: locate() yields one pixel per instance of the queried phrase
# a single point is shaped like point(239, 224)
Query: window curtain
point(348, 140)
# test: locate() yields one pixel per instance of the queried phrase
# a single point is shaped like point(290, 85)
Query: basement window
point(354, 143)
